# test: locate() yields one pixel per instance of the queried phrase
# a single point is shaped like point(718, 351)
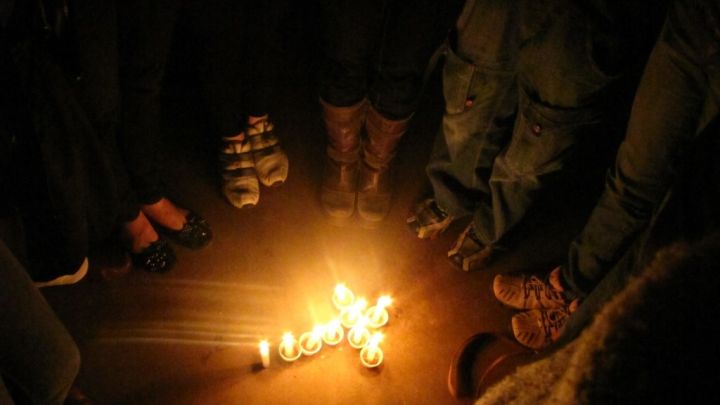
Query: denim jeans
point(525, 83)
point(37, 355)
point(379, 50)
point(678, 95)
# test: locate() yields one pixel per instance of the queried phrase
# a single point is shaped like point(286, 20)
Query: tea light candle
point(378, 315)
point(342, 297)
point(349, 316)
point(265, 353)
point(334, 332)
point(289, 348)
point(358, 335)
point(311, 342)
point(371, 355)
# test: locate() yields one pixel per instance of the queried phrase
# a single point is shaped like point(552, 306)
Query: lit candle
point(334, 332)
point(349, 316)
point(358, 335)
point(289, 348)
point(342, 297)
point(265, 353)
point(311, 342)
point(371, 355)
point(378, 315)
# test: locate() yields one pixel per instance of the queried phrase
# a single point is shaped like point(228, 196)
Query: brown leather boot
point(339, 185)
point(375, 183)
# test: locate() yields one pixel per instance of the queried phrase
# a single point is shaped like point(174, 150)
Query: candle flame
point(264, 346)
point(288, 338)
point(375, 339)
point(341, 290)
point(318, 331)
point(360, 304)
point(384, 301)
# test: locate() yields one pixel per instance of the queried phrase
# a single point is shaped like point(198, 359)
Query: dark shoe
point(339, 183)
point(156, 258)
point(469, 254)
point(375, 183)
point(483, 360)
point(428, 220)
point(271, 162)
point(194, 234)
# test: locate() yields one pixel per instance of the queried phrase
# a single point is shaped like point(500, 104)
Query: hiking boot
point(530, 292)
point(339, 183)
point(375, 182)
point(538, 328)
point(428, 219)
point(468, 253)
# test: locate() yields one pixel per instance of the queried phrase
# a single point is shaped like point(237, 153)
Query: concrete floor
point(190, 336)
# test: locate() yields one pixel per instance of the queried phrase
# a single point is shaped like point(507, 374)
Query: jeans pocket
point(544, 138)
point(457, 80)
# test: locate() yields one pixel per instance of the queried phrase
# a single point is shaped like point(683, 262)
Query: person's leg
point(667, 111)
point(410, 35)
point(480, 102)
point(37, 354)
point(352, 32)
point(563, 102)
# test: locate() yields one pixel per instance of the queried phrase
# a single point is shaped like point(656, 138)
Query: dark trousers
point(37, 355)
point(379, 50)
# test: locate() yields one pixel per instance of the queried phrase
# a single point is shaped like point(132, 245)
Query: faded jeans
point(523, 86)
point(677, 97)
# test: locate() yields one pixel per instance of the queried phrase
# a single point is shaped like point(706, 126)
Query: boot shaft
point(344, 126)
point(383, 137)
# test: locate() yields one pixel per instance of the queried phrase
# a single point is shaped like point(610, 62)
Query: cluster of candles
point(355, 316)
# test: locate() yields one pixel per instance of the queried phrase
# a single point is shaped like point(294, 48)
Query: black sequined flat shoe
point(156, 258)
point(194, 234)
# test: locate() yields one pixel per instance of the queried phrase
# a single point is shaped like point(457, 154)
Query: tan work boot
point(375, 182)
point(339, 184)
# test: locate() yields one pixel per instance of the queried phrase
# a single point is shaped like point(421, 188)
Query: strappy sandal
point(271, 162)
point(428, 219)
point(240, 182)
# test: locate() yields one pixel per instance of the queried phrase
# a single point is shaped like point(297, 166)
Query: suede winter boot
point(375, 183)
point(339, 184)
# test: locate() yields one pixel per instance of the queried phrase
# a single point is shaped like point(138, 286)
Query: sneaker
point(528, 292)
point(469, 253)
point(538, 328)
point(428, 219)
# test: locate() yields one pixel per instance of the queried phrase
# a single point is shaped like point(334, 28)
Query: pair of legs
point(676, 99)
point(376, 56)
point(526, 85)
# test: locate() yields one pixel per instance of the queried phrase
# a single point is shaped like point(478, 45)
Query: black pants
point(379, 49)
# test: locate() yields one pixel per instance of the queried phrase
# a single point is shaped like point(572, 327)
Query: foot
point(469, 254)
point(147, 250)
point(428, 219)
point(271, 162)
point(240, 184)
point(538, 328)
point(531, 292)
point(167, 214)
